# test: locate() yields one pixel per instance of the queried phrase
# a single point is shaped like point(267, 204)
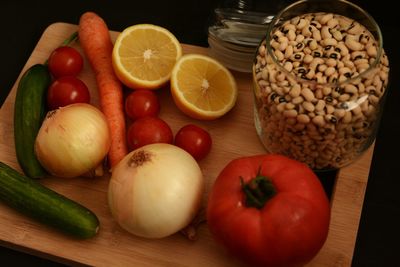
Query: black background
point(23, 22)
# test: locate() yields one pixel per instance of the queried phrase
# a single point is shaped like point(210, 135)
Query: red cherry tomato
point(141, 103)
point(194, 140)
point(148, 130)
point(269, 210)
point(67, 90)
point(65, 61)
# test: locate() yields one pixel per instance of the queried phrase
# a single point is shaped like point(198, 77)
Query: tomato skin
point(148, 130)
point(288, 230)
point(65, 61)
point(67, 90)
point(141, 103)
point(194, 140)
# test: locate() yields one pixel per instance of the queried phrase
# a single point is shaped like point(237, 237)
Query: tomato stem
point(257, 191)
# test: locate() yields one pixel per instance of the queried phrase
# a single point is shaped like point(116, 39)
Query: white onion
point(73, 140)
point(155, 190)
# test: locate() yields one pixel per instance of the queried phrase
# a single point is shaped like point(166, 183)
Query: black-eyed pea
point(290, 113)
point(279, 55)
point(299, 126)
point(344, 97)
point(351, 89)
point(329, 41)
point(307, 94)
point(329, 109)
point(329, 71)
point(339, 113)
point(298, 47)
point(343, 50)
point(280, 108)
point(291, 35)
point(353, 44)
point(289, 51)
point(319, 121)
point(298, 56)
point(299, 38)
point(316, 34)
point(322, 67)
point(306, 32)
point(325, 18)
point(362, 67)
point(326, 90)
point(289, 27)
point(320, 105)
point(337, 35)
point(315, 62)
point(331, 62)
point(356, 110)
point(265, 74)
point(310, 74)
point(307, 51)
point(383, 75)
point(280, 76)
point(308, 106)
point(313, 44)
point(302, 24)
point(275, 44)
point(325, 33)
point(297, 100)
point(318, 94)
point(355, 28)
point(307, 59)
point(332, 23)
point(347, 117)
point(283, 46)
point(289, 106)
point(373, 99)
point(295, 92)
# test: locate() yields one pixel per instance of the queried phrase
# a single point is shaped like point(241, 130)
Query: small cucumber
point(45, 205)
point(29, 112)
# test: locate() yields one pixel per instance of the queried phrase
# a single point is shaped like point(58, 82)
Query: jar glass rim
point(372, 66)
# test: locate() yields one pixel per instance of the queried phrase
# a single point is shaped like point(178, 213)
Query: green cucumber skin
point(31, 198)
point(29, 112)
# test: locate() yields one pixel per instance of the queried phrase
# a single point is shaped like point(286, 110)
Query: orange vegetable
point(97, 46)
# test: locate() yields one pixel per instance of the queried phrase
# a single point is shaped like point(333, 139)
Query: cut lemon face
point(203, 88)
point(144, 56)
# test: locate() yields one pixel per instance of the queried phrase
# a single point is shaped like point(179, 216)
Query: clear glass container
point(236, 29)
point(320, 81)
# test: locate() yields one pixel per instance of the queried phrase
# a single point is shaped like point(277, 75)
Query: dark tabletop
point(23, 22)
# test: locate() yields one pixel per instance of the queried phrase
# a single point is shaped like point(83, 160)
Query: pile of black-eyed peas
point(319, 95)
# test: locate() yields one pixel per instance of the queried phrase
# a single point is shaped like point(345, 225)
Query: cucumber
point(29, 112)
point(31, 198)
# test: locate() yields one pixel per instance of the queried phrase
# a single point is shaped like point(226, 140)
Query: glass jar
point(320, 81)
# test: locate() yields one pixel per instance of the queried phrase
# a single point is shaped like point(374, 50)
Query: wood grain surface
point(233, 136)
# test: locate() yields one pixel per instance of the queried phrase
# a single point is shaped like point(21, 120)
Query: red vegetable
point(65, 61)
point(67, 90)
point(141, 103)
point(149, 130)
point(269, 210)
point(194, 140)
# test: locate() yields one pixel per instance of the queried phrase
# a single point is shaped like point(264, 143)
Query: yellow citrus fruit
point(203, 88)
point(144, 55)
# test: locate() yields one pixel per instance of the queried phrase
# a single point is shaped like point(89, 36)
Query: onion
point(72, 140)
point(155, 190)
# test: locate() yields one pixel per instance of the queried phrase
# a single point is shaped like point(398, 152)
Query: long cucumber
point(31, 198)
point(29, 112)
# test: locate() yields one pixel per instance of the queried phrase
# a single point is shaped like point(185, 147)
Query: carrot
point(96, 43)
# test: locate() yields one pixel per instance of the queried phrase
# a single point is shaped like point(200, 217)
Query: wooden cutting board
point(233, 136)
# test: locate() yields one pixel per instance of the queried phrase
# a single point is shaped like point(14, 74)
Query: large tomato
point(269, 210)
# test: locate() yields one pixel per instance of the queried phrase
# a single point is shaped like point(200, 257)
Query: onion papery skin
point(156, 190)
point(73, 140)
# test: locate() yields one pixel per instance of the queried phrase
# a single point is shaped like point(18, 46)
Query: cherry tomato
point(141, 103)
point(67, 90)
point(148, 130)
point(65, 61)
point(194, 140)
point(269, 210)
